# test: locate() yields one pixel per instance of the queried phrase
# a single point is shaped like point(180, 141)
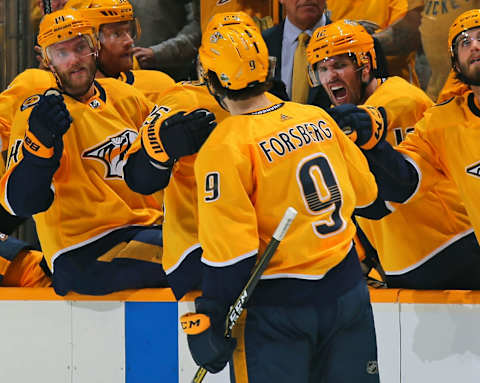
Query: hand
point(205, 334)
point(47, 124)
point(184, 134)
point(364, 125)
point(145, 57)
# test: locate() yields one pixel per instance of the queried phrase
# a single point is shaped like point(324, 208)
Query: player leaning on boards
point(418, 248)
point(310, 317)
point(97, 235)
point(445, 140)
point(116, 28)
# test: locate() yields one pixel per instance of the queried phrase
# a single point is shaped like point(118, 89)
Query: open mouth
point(339, 93)
point(474, 60)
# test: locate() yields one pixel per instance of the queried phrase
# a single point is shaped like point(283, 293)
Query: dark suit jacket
point(273, 38)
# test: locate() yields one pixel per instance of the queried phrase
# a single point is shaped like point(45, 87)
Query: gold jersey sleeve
point(91, 197)
point(445, 142)
point(152, 83)
point(383, 13)
point(396, 236)
point(16, 97)
point(180, 199)
point(180, 226)
point(254, 166)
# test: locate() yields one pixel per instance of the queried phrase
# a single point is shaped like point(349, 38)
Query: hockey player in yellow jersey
point(341, 59)
point(382, 13)
point(446, 139)
point(96, 234)
point(117, 28)
point(182, 250)
point(443, 144)
point(255, 163)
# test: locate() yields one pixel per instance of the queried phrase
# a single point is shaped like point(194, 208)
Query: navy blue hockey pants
point(306, 344)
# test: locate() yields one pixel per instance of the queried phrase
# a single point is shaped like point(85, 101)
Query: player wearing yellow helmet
point(342, 59)
point(182, 251)
point(444, 141)
point(97, 235)
point(255, 163)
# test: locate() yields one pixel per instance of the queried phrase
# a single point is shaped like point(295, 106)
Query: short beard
point(468, 80)
point(74, 90)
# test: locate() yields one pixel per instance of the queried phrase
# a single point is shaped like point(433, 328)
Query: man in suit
point(282, 41)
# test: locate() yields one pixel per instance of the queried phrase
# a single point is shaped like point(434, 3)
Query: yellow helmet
point(343, 36)
point(464, 22)
point(63, 25)
point(236, 53)
point(101, 12)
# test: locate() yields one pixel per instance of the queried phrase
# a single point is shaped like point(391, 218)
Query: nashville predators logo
point(221, 2)
point(112, 153)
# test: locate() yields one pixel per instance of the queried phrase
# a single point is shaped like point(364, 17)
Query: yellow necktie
point(300, 85)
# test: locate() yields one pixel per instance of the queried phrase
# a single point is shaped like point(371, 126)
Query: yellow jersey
point(252, 167)
point(383, 13)
point(396, 236)
point(180, 226)
point(445, 143)
point(152, 83)
point(91, 197)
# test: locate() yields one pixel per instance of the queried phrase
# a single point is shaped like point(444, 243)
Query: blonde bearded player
point(444, 142)
point(182, 250)
point(96, 234)
point(298, 150)
point(341, 58)
point(116, 29)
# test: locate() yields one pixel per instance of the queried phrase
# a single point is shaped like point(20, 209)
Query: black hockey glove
point(47, 124)
point(364, 125)
point(184, 134)
point(205, 334)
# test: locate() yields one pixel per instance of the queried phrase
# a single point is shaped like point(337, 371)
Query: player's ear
point(366, 72)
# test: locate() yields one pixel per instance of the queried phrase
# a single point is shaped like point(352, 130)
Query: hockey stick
point(237, 308)
point(47, 6)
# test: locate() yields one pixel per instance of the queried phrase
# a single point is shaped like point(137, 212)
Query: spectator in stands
point(170, 36)
point(287, 42)
point(427, 243)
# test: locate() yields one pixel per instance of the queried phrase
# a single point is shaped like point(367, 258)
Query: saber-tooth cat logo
point(112, 153)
